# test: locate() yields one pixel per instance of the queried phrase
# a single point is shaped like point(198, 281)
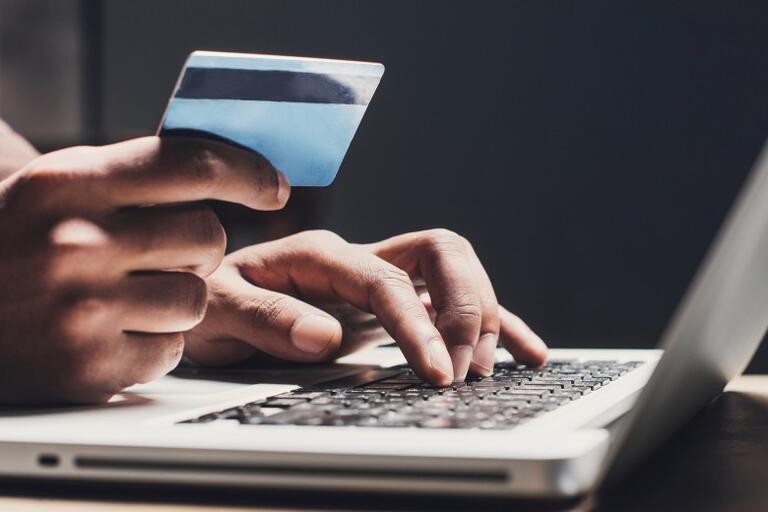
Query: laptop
point(367, 423)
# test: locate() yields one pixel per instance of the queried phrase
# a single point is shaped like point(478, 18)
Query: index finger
point(154, 170)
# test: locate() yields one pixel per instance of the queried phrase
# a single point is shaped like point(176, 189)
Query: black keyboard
point(396, 397)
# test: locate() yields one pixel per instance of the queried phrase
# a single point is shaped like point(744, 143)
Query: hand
point(102, 263)
point(276, 298)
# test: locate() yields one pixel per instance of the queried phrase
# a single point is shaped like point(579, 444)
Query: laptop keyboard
point(396, 397)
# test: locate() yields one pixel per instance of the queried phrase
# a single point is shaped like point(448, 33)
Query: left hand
point(313, 296)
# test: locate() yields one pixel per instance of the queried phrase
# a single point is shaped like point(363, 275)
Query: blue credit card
point(299, 113)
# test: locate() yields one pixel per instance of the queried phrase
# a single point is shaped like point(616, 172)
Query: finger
point(152, 170)
point(106, 363)
point(374, 285)
point(323, 266)
point(183, 237)
point(272, 322)
point(524, 345)
point(441, 258)
point(146, 357)
point(160, 302)
point(94, 359)
point(186, 237)
point(485, 350)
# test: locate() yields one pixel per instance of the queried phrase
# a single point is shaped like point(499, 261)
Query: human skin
point(313, 296)
point(110, 265)
point(103, 260)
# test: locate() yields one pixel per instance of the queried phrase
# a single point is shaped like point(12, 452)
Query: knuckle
point(263, 313)
point(199, 162)
point(46, 174)
point(443, 240)
point(463, 308)
point(322, 238)
point(443, 234)
point(36, 183)
point(387, 276)
point(76, 233)
point(75, 310)
point(411, 312)
point(312, 246)
point(204, 162)
point(70, 242)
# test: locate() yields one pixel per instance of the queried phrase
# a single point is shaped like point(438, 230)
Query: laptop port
point(48, 460)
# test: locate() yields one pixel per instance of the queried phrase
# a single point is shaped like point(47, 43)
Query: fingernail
point(461, 356)
point(484, 354)
point(439, 358)
point(283, 188)
point(313, 333)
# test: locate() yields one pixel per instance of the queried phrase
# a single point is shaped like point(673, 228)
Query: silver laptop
point(366, 423)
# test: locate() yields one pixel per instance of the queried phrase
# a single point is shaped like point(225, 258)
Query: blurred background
point(589, 149)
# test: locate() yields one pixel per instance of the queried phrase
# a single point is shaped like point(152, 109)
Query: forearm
point(15, 151)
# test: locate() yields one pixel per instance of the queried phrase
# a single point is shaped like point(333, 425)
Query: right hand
point(102, 260)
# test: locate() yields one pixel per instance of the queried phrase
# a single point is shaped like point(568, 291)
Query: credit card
point(300, 113)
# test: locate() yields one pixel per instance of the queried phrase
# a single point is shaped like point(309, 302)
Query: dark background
point(589, 149)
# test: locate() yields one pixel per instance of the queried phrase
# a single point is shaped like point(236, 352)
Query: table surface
point(718, 462)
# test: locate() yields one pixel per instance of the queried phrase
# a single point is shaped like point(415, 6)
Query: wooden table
point(718, 462)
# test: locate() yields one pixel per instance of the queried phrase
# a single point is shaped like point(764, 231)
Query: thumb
point(242, 317)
